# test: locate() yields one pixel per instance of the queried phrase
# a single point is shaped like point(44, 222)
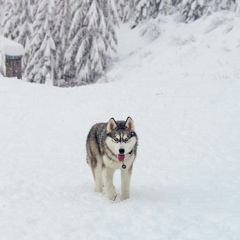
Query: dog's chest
point(115, 164)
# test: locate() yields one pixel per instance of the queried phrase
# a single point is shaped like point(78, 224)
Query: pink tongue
point(121, 157)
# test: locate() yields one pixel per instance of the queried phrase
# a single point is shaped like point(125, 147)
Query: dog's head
point(121, 137)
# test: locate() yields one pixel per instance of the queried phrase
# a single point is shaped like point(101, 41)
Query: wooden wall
point(14, 67)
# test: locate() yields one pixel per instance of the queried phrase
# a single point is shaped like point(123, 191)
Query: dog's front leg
point(97, 172)
point(125, 183)
point(108, 183)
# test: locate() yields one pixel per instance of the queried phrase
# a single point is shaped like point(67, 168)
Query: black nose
point(121, 151)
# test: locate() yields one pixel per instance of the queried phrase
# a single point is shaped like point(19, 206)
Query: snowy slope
point(180, 84)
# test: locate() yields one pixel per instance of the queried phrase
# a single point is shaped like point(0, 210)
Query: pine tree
point(146, 9)
point(91, 57)
point(60, 35)
point(2, 4)
point(112, 20)
point(194, 9)
point(24, 32)
point(219, 5)
point(76, 34)
point(10, 18)
point(25, 29)
point(92, 42)
point(2, 65)
point(141, 13)
point(126, 9)
point(109, 8)
point(238, 7)
point(41, 64)
point(168, 7)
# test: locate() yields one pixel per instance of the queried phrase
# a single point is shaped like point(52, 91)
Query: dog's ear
point(130, 124)
point(111, 125)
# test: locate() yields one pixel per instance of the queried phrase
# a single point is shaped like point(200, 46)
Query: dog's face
point(121, 137)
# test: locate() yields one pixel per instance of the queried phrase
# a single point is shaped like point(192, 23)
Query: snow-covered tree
point(92, 42)
point(10, 18)
point(126, 9)
point(76, 34)
point(109, 8)
point(25, 29)
point(60, 35)
point(194, 9)
point(146, 9)
point(24, 32)
point(2, 4)
point(219, 5)
point(168, 7)
point(92, 55)
point(1, 54)
point(112, 20)
point(40, 67)
point(141, 11)
point(238, 7)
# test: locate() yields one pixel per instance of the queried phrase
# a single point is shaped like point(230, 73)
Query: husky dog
point(112, 146)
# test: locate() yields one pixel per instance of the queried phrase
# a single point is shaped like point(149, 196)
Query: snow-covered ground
point(181, 85)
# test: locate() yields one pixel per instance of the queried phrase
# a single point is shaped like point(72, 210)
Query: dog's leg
point(98, 176)
point(108, 183)
point(125, 183)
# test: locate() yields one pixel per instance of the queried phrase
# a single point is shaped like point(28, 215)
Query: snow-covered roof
point(10, 48)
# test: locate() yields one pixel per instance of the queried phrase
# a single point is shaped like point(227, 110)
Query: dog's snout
point(121, 151)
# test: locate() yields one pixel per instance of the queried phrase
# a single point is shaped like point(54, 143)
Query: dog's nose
point(121, 151)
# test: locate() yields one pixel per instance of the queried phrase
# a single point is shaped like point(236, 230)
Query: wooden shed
point(12, 53)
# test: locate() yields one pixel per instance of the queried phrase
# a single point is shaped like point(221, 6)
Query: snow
point(182, 91)
point(11, 48)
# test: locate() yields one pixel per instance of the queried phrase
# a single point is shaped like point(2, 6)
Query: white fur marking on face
point(113, 145)
point(128, 146)
point(125, 138)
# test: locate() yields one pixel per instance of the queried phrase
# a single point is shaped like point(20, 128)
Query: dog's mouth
point(121, 157)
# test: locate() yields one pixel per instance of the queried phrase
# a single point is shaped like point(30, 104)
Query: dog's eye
point(115, 140)
point(126, 140)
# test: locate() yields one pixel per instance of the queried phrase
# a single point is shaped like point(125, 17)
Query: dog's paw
point(125, 196)
point(112, 196)
point(98, 189)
